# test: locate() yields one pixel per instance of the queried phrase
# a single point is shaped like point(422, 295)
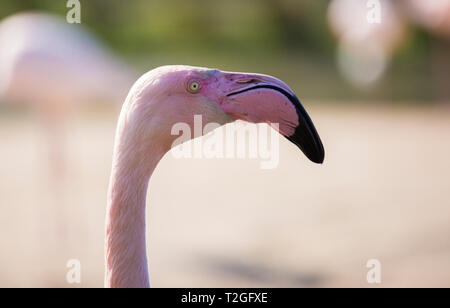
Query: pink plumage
point(158, 100)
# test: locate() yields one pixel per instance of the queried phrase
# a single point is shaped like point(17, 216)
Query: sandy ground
point(383, 193)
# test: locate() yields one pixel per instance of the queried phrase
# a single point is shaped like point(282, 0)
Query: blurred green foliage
point(287, 38)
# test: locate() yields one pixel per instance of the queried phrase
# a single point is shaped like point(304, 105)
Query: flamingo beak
point(260, 98)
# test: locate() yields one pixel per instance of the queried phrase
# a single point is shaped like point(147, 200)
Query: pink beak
point(260, 98)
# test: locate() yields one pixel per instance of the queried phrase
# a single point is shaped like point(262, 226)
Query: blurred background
point(374, 76)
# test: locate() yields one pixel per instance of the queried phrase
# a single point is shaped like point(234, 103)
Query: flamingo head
point(222, 97)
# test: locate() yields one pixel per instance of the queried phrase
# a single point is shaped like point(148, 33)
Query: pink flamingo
point(434, 16)
point(158, 100)
point(53, 67)
point(365, 47)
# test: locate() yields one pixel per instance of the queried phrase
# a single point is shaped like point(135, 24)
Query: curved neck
point(125, 244)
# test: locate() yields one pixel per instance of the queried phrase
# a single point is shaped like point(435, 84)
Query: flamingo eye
point(194, 86)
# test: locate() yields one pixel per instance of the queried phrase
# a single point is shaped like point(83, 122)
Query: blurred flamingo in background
point(54, 67)
point(365, 45)
point(366, 48)
point(434, 16)
point(158, 100)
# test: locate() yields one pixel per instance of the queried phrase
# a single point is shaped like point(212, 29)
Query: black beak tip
point(317, 155)
point(306, 136)
point(313, 149)
point(318, 158)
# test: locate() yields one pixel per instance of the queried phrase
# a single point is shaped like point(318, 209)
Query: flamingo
point(159, 99)
point(53, 67)
point(365, 48)
point(434, 16)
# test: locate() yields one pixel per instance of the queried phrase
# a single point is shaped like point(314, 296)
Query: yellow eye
point(194, 86)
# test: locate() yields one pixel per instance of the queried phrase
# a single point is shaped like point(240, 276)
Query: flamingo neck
point(125, 242)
